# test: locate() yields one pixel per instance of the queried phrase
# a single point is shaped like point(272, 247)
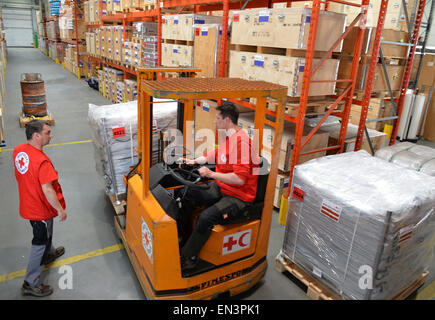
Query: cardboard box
point(283, 70)
point(266, 27)
point(395, 75)
point(377, 138)
point(388, 50)
point(429, 125)
point(427, 72)
point(177, 55)
point(318, 141)
point(207, 50)
point(117, 6)
point(378, 108)
point(130, 90)
point(180, 27)
point(393, 17)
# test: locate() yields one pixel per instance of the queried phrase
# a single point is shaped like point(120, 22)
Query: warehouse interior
point(376, 81)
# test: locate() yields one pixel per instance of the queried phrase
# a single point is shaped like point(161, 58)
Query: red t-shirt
point(237, 154)
point(33, 169)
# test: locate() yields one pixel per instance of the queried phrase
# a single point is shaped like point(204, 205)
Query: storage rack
point(310, 69)
point(376, 53)
point(56, 39)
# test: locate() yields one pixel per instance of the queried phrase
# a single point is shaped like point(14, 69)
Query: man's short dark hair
point(229, 110)
point(34, 126)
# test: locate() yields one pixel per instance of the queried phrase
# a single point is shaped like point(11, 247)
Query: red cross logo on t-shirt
point(22, 162)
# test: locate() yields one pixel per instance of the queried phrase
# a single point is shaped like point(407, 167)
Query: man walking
point(41, 200)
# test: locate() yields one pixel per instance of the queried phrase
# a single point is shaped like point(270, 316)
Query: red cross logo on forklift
point(236, 241)
point(146, 239)
point(230, 243)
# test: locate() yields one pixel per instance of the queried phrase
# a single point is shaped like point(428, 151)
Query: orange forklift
point(151, 233)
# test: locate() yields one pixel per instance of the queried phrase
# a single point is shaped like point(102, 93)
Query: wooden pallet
point(119, 207)
point(150, 6)
point(26, 119)
point(315, 106)
point(137, 40)
point(301, 53)
point(132, 9)
point(180, 42)
point(380, 94)
point(316, 290)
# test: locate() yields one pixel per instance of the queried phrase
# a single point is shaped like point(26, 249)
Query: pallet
point(180, 42)
point(137, 40)
point(318, 291)
point(120, 206)
point(301, 53)
point(315, 106)
point(132, 9)
point(26, 119)
point(150, 7)
point(380, 94)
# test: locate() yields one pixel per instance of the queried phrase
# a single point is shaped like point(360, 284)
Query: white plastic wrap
point(115, 137)
point(387, 153)
point(410, 160)
point(409, 155)
point(353, 213)
point(429, 168)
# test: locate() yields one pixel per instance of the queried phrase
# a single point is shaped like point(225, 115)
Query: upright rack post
point(371, 74)
point(408, 68)
point(347, 94)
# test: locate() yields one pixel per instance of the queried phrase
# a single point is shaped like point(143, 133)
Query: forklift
point(233, 259)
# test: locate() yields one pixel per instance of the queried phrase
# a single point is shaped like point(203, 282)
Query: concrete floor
point(89, 226)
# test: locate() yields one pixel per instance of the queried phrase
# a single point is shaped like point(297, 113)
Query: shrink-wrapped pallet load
point(115, 138)
point(411, 156)
point(357, 226)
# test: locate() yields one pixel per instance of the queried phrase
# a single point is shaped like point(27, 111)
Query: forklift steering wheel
point(191, 184)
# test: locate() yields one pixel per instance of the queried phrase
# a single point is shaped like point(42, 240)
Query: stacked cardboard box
point(130, 90)
point(393, 20)
point(263, 53)
point(67, 24)
point(181, 28)
point(120, 91)
point(150, 51)
point(394, 55)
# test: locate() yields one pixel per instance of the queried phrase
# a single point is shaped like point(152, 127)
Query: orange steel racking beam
point(299, 142)
point(374, 59)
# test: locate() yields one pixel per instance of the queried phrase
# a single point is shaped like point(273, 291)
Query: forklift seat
point(253, 210)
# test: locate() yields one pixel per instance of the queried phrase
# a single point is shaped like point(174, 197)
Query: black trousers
point(220, 209)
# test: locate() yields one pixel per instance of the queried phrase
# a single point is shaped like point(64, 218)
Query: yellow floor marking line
point(427, 293)
point(56, 144)
point(66, 261)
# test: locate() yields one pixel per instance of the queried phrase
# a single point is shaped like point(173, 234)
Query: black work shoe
point(188, 263)
point(57, 253)
point(40, 291)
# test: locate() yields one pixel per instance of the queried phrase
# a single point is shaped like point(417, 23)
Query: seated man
point(235, 184)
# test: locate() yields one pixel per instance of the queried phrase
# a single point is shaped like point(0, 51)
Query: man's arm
point(51, 196)
point(230, 178)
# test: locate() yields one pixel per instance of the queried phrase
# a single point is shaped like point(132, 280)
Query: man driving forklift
point(234, 186)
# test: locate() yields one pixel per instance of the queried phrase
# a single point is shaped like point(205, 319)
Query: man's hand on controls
point(205, 172)
point(189, 162)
